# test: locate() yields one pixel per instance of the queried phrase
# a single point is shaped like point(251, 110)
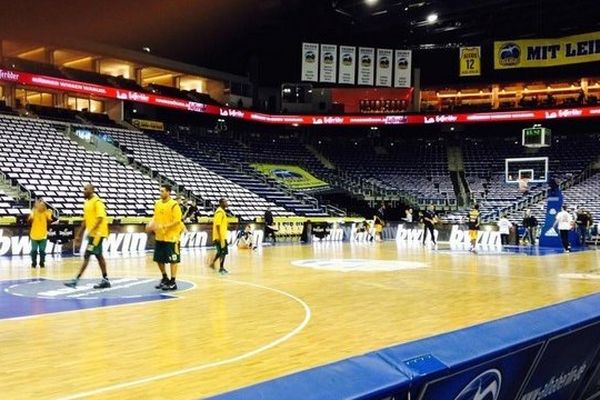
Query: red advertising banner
point(40, 81)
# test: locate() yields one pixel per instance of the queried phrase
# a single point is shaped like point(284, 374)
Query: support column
point(416, 106)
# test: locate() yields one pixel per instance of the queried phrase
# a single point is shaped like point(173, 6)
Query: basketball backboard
point(532, 169)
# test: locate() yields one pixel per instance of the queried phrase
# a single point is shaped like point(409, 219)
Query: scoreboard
point(537, 136)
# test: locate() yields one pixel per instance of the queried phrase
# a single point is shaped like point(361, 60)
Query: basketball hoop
point(523, 185)
point(533, 169)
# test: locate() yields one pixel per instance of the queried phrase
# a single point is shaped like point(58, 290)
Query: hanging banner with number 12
point(470, 61)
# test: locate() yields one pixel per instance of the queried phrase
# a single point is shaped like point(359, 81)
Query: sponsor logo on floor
point(362, 265)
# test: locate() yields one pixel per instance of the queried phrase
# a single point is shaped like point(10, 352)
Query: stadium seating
point(214, 165)
point(372, 167)
point(484, 161)
point(68, 115)
point(9, 206)
point(204, 183)
point(418, 168)
point(584, 194)
point(230, 159)
point(46, 163)
point(54, 113)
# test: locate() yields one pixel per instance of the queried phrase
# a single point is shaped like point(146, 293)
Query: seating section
point(192, 176)
point(54, 113)
point(288, 150)
point(10, 207)
point(280, 149)
point(43, 161)
point(484, 161)
point(585, 194)
point(71, 116)
point(418, 168)
point(230, 159)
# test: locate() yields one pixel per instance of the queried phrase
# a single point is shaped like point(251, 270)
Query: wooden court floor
point(268, 317)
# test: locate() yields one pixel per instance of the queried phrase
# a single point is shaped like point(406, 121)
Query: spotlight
point(431, 18)
point(371, 2)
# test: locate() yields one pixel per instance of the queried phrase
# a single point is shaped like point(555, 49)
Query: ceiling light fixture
point(431, 18)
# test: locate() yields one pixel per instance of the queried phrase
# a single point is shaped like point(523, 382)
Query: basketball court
point(282, 309)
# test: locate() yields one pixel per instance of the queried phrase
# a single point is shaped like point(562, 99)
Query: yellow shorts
point(473, 234)
point(378, 228)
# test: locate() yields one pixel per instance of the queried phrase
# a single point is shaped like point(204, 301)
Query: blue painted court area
point(538, 251)
point(512, 250)
point(27, 297)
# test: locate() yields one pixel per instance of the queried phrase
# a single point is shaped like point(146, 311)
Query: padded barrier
point(548, 353)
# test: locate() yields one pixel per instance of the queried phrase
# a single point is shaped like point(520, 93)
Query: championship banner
point(148, 124)
point(403, 68)
point(470, 61)
point(347, 65)
point(384, 67)
point(310, 62)
point(533, 53)
point(328, 70)
point(366, 60)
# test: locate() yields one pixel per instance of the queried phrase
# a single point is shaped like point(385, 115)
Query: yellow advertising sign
point(533, 53)
point(470, 61)
point(292, 176)
point(148, 124)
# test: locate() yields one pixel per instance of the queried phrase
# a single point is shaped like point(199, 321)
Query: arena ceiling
point(263, 37)
point(468, 21)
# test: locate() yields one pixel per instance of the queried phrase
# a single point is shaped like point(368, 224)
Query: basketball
point(151, 227)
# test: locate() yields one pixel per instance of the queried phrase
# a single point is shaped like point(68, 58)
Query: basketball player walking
point(219, 236)
point(96, 222)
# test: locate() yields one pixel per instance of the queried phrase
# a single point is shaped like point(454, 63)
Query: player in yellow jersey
point(474, 221)
point(167, 229)
point(40, 217)
point(219, 235)
point(95, 222)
